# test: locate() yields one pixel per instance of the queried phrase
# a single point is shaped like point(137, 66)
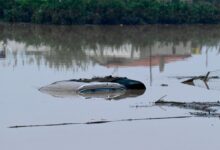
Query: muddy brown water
point(33, 56)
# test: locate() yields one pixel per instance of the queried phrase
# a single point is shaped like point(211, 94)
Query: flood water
point(32, 56)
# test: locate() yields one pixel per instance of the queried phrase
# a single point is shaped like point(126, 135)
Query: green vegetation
point(110, 11)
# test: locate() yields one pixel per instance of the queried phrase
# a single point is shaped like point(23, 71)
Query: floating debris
point(164, 84)
point(201, 106)
point(207, 81)
point(209, 107)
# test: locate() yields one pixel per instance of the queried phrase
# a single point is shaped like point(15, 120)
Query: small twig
point(206, 77)
point(160, 99)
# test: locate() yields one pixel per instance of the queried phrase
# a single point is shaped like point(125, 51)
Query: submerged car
point(106, 90)
point(99, 87)
point(127, 83)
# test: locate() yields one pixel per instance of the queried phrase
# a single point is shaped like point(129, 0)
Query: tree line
point(111, 11)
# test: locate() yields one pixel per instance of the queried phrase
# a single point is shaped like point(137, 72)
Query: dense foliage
point(110, 11)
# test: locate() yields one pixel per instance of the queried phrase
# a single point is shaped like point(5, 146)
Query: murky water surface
point(32, 56)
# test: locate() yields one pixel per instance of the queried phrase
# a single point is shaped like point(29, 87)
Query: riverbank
point(110, 12)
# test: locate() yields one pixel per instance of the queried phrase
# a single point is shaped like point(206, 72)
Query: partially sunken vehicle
point(100, 87)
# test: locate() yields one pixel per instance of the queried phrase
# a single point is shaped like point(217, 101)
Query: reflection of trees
point(3, 49)
point(68, 43)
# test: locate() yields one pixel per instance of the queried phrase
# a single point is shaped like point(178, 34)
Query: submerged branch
point(100, 122)
point(203, 114)
point(201, 106)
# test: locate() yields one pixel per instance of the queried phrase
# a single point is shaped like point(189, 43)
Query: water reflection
point(3, 49)
point(77, 47)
